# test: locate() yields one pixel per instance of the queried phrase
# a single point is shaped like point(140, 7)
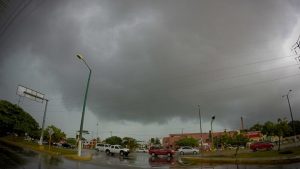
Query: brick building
point(172, 138)
point(254, 135)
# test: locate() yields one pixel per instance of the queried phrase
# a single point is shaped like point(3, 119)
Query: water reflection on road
point(35, 160)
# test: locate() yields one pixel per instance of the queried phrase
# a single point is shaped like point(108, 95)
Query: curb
point(280, 160)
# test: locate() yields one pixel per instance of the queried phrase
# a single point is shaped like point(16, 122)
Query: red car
point(155, 151)
point(261, 145)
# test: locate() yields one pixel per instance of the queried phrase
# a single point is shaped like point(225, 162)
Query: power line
point(249, 74)
point(225, 89)
point(6, 26)
point(12, 13)
point(254, 83)
point(223, 69)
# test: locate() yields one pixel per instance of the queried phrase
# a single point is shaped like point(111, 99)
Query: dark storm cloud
point(156, 60)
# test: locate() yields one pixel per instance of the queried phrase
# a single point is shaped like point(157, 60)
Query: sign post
point(35, 96)
point(51, 132)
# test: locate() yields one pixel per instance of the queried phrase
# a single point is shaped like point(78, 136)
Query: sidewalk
point(289, 145)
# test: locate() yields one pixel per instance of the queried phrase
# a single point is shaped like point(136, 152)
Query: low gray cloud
point(154, 61)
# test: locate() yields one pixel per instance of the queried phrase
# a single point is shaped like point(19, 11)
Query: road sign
point(50, 131)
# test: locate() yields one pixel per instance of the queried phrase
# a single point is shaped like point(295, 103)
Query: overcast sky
point(152, 63)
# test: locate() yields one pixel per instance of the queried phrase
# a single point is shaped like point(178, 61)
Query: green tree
point(152, 140)
point(297, 127)
point(236, 139)
point(57, 135)
point(71, 141)
point(114, 140)
point(269, 128)
point(130, 143)
point(256, 127)
point(188, 141)
point(14, 119)
point(155, 141)
point(281, 127)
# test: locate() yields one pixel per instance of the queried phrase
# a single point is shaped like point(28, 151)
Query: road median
point(287, 156)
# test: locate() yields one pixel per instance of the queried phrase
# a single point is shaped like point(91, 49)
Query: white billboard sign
point(31, 94)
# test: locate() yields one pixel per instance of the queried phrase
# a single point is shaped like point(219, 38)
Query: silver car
point(187, 150)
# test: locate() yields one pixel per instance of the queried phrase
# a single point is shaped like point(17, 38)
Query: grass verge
point(34, 146)
point(286, 156)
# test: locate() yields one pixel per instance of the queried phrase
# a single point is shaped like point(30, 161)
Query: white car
point(187, 150)
point(142, 150)
point(117, 149)
point(101, 147)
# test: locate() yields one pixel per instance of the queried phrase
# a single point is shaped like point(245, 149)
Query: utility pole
point(97, 130)
point(296, 47)
point(211, 132)
point(242, 123)
point(290, 108)
point(201, 141)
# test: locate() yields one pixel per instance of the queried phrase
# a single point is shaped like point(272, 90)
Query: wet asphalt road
point(17, 158)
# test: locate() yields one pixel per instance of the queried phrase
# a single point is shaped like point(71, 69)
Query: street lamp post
point(288, 100)
point(84, 103)
point(211, 132)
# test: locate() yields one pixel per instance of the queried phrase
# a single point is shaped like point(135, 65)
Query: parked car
point(142, 150)
point(101, 146)
point(261, 146)
point(233, 147)
point(155, 151)
point(66, 145)
point(187, 150)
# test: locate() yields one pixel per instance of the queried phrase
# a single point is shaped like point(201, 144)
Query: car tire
point(153, 154)
point(107, 152)
point(169, 155)
point(121, 153)
point(181, 153)
point(194, 152)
